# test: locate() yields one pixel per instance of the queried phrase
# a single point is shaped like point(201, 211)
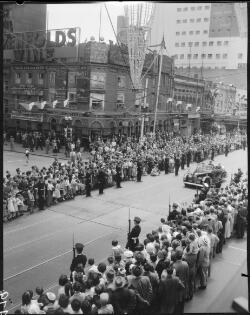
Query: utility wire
point(119, 44)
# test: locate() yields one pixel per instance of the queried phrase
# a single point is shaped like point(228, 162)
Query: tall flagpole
point(158, 86)
point(144, 106)
point(100, 22)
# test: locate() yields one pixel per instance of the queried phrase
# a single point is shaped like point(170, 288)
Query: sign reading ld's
point(38, 46)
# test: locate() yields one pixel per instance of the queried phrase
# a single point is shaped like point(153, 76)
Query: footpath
point(18, 148)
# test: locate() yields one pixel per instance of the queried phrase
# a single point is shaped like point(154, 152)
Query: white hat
point(128, 254)
point(51, 296)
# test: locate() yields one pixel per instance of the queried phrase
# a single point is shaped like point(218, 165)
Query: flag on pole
point(188, 106)
point(43, 104)
point(179, 103)
point(163, 45)
point(54, 103)
point(40, 105)
point(169, 100)
point(27, 106)
point(66, 102)
point(198, 109)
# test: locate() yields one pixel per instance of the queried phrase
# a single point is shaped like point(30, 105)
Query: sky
point(87, 17)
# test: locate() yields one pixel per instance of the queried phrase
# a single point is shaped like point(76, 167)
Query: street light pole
point(144, 106)
point(158, 88)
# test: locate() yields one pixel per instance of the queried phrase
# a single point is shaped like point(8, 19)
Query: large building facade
point(210, 35)
point(95, 79)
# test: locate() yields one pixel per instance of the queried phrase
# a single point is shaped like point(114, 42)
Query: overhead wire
point(119, 45)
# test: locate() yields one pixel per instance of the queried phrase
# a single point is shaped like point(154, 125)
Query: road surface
point(38, 248)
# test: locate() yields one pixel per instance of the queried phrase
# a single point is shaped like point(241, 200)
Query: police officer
point(133, 239)
point(166, 164)
point(212, 153)
point(183, 160)
point(88, 184)
point(226, 149)
point(80, 259)
point(41, 193)
point(188, 157)
point(176, 164)
point(101, 180)
point(174, 213)
point(139, 171)
point(118, 176)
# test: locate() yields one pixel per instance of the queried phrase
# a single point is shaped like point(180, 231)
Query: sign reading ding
point(39, 46)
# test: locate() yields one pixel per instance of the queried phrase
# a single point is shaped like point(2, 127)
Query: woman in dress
point(11, 207)
point(56, 192)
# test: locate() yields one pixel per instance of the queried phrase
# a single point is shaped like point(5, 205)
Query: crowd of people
point(111, 162)
point(50, 142)
point(157, 274)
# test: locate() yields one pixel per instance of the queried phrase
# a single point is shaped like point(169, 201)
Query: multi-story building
point(194, 102)
point(122, 24)
point(95, 78)
point(209, 35)
point(16, 20)
point(24, 18)
point(224, 99)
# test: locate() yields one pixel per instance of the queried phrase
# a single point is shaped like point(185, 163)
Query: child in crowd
point(116, 249)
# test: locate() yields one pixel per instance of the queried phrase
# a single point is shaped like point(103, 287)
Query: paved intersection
point(38, 248)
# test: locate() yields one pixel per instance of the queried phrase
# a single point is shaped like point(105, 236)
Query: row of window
point(190, 32)
point(203, 56)
point(204, 44)
point(198, 20)
point(199, 8)
point(29, 77)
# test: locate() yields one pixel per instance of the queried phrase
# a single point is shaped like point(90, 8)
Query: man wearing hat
point(52, 306)
point(122, 298)
point(173, 214)
point(133, 240)
point(80, 259)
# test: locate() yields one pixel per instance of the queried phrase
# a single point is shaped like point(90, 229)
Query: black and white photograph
point(125, 157)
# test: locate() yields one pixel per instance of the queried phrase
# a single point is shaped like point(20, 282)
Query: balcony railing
point(21, 115)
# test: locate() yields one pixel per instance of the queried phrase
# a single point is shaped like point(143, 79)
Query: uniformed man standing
point(183, 160)
point(176, 164)
point(101, 180)
point(41, 193)
point(212, 153)
point(188, 157)
point(133, 239)
point(88, 184)
point(166, 164)
point(139, 171)
point(226, 149)
point(80, 259)
point(118, 176)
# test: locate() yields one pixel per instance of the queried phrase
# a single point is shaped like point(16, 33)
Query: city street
point(38, 248)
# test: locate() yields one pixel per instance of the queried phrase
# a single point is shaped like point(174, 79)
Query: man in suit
point(133, 239)
point(182, 271)
point(80, 259)
point(169, 293)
